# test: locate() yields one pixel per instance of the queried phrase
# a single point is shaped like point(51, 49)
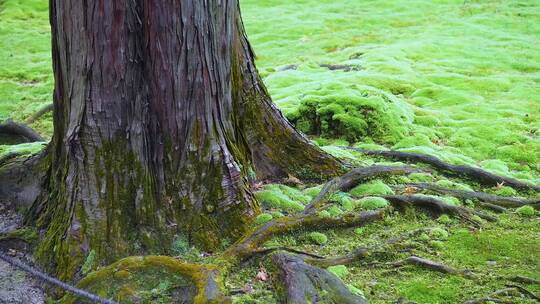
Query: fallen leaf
point(262, 275)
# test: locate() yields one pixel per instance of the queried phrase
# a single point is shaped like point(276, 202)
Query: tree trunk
point(160, 123)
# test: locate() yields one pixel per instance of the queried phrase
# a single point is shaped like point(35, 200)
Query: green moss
point(341, 271)
point(313, 191)
point(26, 234)
point(526, 211)
point(344, 200)
point(450, 200)
point(421, 177)
point(23, 149)
point(339, 152)
point(371, 203)
point(335, 211)
point(444, 219)
point(263, 218)
point(439, 234)
point(356, 113)
point(149, 279)
point(477, 219)
point(324, 213)
point(318, 238)
point(356, 291)
point(180, 246)
point(506, 191)
point(359, 231)
point(376, 187)
point(274, 198)
point(437, 245)
point(453, 185)
point(277, 214)
point(295, 194)
point(89, 263)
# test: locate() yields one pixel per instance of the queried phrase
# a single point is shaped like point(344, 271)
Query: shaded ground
point(16, 287)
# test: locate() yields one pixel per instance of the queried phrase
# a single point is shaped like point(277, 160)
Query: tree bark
point(160, 122)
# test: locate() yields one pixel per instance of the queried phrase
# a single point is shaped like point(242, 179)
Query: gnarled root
point(20, 180)
point(300, 283)
point(42, 111)
point(432, 265)
point(193, 283)
point(249, 245)
point(482, 176)
point(353, 178)
point(20, 131)
point(435, 207)
point(511, 291)
point(488, 199)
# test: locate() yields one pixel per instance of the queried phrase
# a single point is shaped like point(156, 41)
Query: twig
point(53, 281)
point(43, 110)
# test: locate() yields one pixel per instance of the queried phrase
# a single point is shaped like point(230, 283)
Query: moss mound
point(371, 203)
point(356, 113)
point(340, 271)
point(376, 187)
point(282, 197)
point(318, 238)
point(263, 218)
point(526, 211)
point(150, 279)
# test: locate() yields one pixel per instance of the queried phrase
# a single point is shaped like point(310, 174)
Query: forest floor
point(456, 79)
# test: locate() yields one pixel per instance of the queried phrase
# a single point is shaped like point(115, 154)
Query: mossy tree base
point(153, 279)
point(160, 127)
point(298, 276)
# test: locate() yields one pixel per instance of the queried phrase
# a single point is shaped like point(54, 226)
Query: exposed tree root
point(493, 297)
point(300, 283)
point(508, 202)
point(482, 176)
point(352, 178)
point(436, 207)
point(266, 251)
point(20, 179)
point(249, 244)
point(431, 265)
point(362, 252)
point(8, 157)
point(20, 130)
point(510, 291)
point(341, 67)
point(524, 291)
point(302, 277)
point(355, 256)
point(196, 283)
point(524, 280)
point(42, 111)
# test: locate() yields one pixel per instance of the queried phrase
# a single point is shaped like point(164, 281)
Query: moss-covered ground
point(456, 79)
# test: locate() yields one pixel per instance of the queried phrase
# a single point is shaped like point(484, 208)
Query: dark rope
point(53, 281)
